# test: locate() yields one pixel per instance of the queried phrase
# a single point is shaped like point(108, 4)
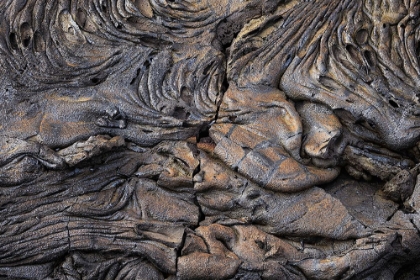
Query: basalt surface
point(219, 139)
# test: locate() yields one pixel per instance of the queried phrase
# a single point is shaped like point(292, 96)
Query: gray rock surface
point(224, 139)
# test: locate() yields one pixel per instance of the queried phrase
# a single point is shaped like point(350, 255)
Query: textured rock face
point(153, 139)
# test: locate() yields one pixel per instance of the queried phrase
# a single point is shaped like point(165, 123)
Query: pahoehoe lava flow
point(225, 139)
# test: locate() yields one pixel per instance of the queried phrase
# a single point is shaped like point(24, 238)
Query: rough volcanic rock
point(225, 139)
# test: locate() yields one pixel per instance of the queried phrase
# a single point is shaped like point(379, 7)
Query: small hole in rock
point(13, 41)
point(26, 34)
point(288, 60)
point(26, 42)
point(97, 80)
point(81, 18)
point(369, 57)
point(253, 195)
point(180, 113)
point(393, 103)
point(132, 20)
point(354, 54)
point(260, 244)
point(371, 124)
point(206, 70)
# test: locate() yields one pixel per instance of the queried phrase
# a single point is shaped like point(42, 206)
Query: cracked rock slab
point(225, 139)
